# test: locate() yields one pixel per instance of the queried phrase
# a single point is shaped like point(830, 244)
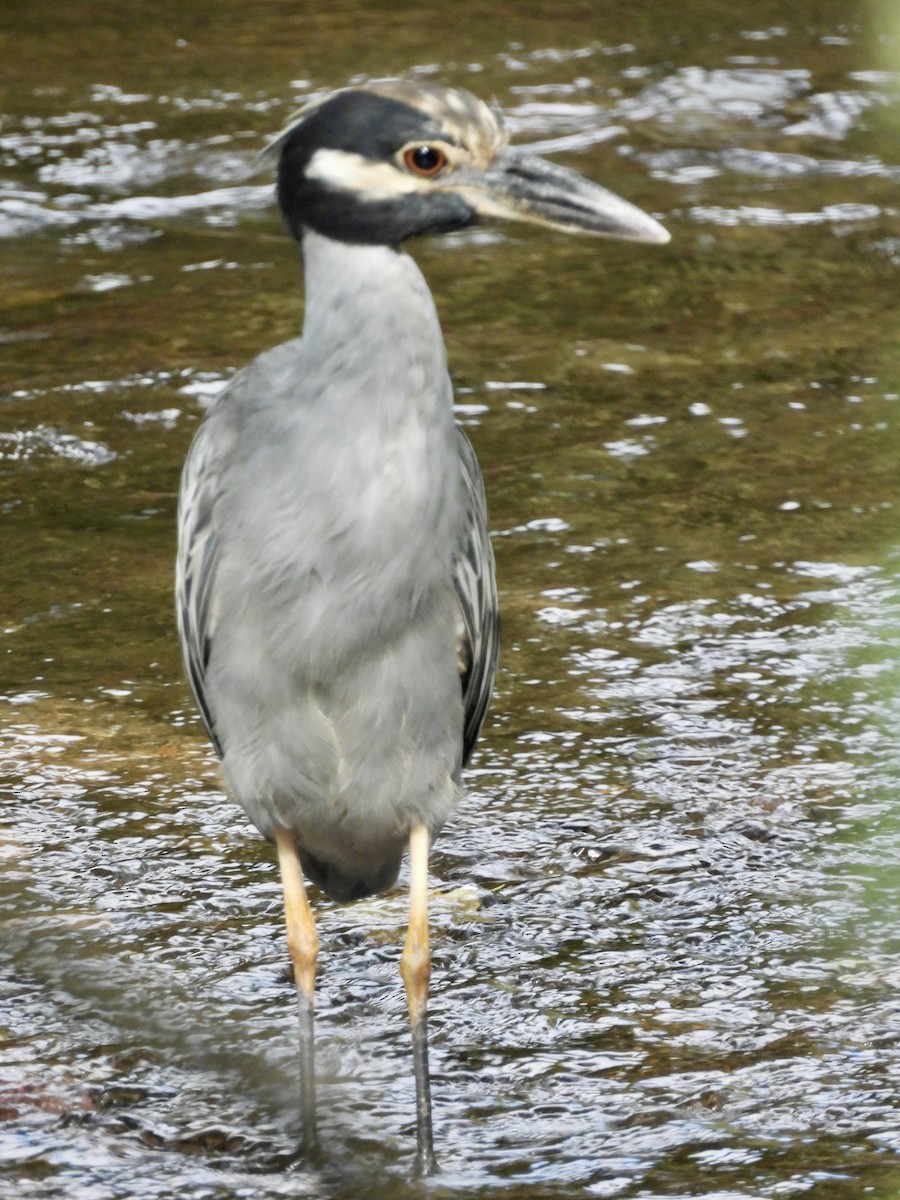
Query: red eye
point(425, 160)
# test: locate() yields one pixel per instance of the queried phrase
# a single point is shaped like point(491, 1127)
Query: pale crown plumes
point(464, 120)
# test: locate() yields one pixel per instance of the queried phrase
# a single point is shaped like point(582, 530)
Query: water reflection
point(665, 955)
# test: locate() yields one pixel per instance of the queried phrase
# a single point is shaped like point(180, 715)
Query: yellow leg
point(303, 946)
point(415, 968)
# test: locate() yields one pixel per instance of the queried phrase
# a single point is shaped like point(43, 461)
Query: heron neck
point(369, 304)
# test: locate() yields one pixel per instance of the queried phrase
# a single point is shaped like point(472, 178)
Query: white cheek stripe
point(365, 178)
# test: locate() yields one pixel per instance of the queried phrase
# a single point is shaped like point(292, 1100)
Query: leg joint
point(415, 963)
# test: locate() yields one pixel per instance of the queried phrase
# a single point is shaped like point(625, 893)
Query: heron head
point(388, 160)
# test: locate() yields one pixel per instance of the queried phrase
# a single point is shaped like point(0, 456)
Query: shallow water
point(665, 945)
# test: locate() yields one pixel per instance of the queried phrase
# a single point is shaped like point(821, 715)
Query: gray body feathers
point(335, 584)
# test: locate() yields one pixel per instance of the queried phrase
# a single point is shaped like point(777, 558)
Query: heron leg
point(303, 946)
point(415, 968)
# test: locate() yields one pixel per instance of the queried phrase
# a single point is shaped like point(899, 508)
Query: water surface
point(665, 945)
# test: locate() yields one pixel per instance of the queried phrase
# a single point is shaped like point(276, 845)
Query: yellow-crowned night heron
point(337, 606)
